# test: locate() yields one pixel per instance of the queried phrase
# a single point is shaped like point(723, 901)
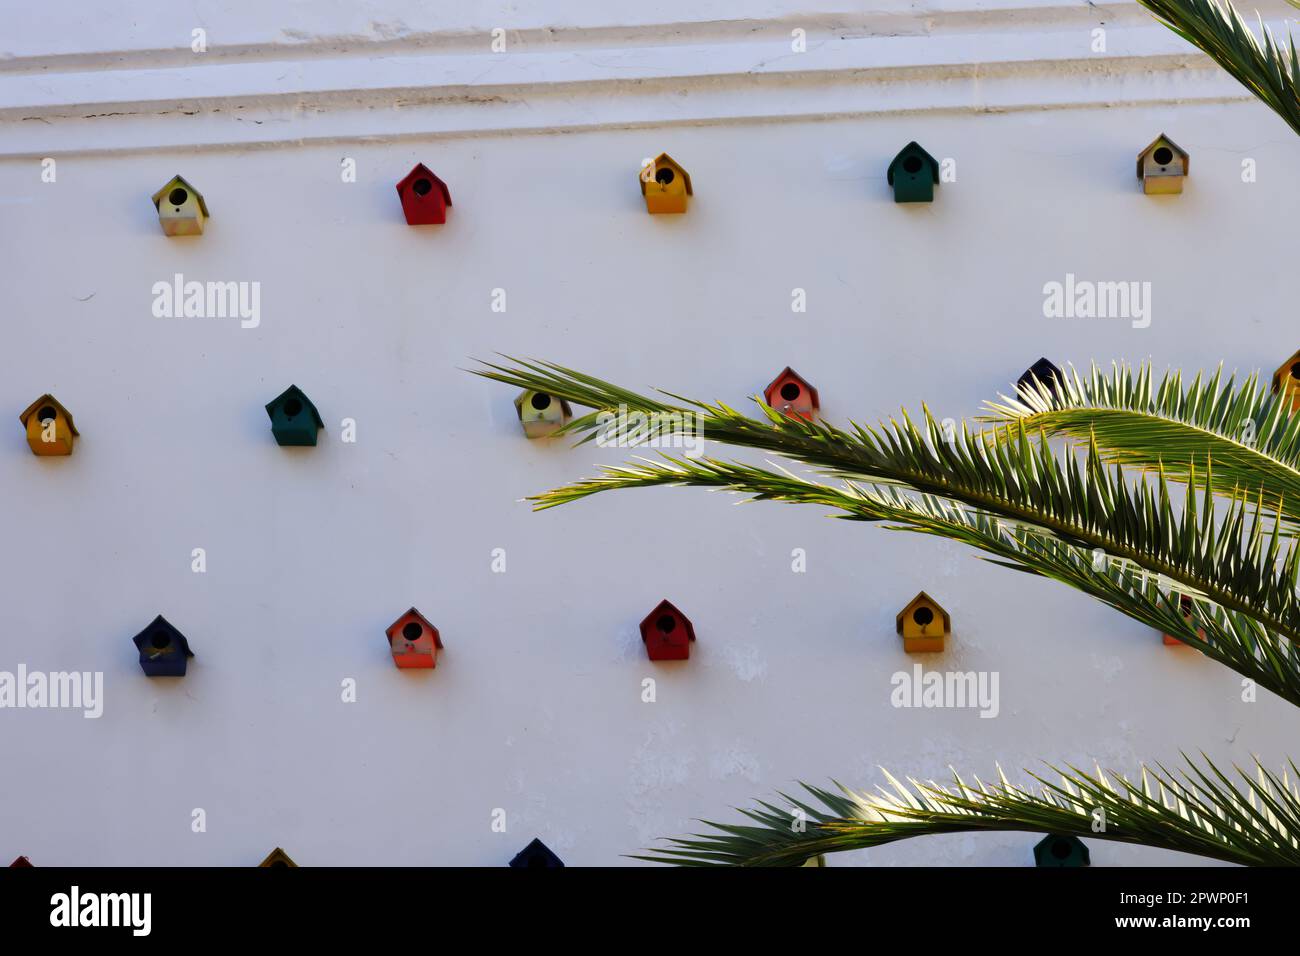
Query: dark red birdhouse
point(21, 862)
point(790, 393)
point(667, 634)
point(425, 197)
point(414, 641)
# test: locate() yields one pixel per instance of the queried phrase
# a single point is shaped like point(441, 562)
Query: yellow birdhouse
point(277, 857)
point(181, 208)
point(665, 185)
point(923, 624)
point(1163, 166)
point(50, 430)
point(1286, 381)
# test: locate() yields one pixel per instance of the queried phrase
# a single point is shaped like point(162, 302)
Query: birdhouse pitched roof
point(665, 607)
point(47, 399)
point(1162, 138)
point(393, 628)
point(184, 184)
point(920, 598)
point(789, 373)
point(293, 391)
point(519, 401)
point(536, 853)
point(161, 623)
point(21, 862)
point(278, 856)
point(422, 171)
point(647, 172)
point(913, 149)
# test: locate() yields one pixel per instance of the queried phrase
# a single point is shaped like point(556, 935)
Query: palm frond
point(1254, 820)
point(1238, 561)
point(1251, 436)
point(1268, 69)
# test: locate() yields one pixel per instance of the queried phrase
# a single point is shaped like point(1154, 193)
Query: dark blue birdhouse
point(163, 649)
point(1054, 850)
point(537, 856)
point(913, 174)
point(294, 419)
point(1043, 372)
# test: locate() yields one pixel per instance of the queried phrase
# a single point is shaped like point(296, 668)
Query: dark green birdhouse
point(913, 174)
point(1054, 850)
point(294, 419)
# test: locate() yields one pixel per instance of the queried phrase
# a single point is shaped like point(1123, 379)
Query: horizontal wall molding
point(336, 89)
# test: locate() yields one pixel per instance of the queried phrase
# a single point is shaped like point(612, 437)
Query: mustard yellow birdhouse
point(277, 857)
point(181, 208)
point(1163, 166)
point(665, 185)
point(923, 624)
point(541, 414)
point(49, 427)
point(1286, 381)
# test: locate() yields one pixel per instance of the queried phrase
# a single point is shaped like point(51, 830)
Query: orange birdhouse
point(923, 624)
point(790, 393)
point(277, 857)
point(50, 430)
point(414, 641)
point(665, 185)
point(1185, 606)
point(1286, 381)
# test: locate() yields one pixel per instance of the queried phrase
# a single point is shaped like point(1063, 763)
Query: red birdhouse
point(791, 394)
point(667, 634)
point(425, 198)
point(21, 862)
point(1185, 606)
point(414, 641)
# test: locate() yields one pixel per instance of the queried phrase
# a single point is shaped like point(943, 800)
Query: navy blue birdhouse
point(913, 174)
point(163, 649)
point(1041, 372)
point(536, 856)
point(294, 419)
point(1055, 850)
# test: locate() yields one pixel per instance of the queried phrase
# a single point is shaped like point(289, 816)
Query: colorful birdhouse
point(163, 649)
point(667, 634)
point(913, 174)
point(277, 857)
point(665, 185)
point(923, 624)
point(21, 863)
point(182, 210)
point(294, 419)
point(50, 430)
point(536, 856)
point(541, 414)
point(425, 197)
point(1185, 607)
point(1054, 850)
point(1042, 373)
point(790, 393)
point(1286, 382)
point(414, 641)
point(1163, 166)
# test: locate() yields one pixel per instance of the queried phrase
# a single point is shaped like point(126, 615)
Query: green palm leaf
point(1252, 821)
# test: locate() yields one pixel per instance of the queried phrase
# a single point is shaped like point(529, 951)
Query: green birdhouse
point(1054, 850)
point(913, 174)
point(294, 419)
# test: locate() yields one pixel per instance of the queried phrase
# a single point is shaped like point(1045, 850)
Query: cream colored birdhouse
point(182, 210)
point(541, 414)
point(1163, 166)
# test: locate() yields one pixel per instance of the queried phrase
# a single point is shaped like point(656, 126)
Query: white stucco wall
point(535, 706)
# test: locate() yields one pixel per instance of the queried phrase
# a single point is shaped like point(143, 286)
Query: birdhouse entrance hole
point(1164, 156)
point(292, 407)
point(541, 401)
point(177, 196)
point(664, 176)
point(666, 623)
point(923, 616)
point(48, 414)
point(912, 164)
point(412, 631)
point(1295, 373)
point(789, 391)
point(1060, 848)
point(422, 187)
point(159, 640)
